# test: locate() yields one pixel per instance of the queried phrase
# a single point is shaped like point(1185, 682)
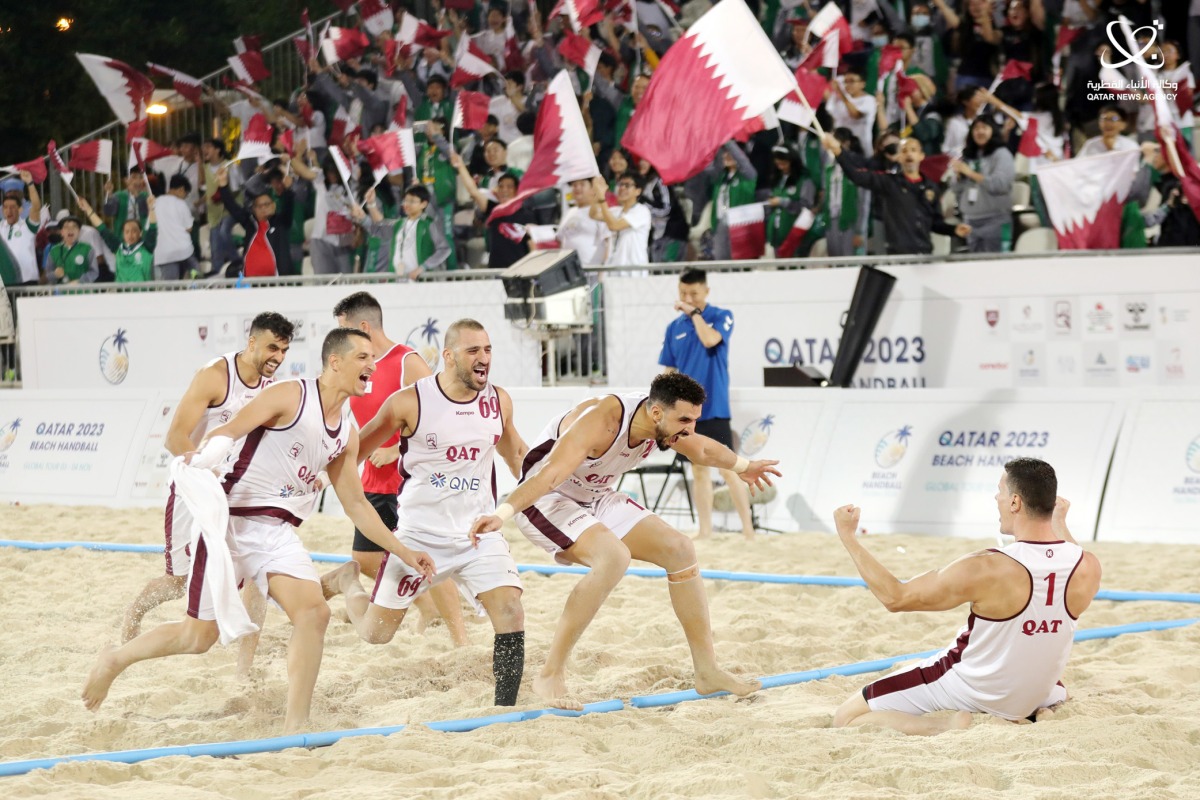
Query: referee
point(697, 344)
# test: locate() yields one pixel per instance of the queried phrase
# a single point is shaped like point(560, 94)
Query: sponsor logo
point(202, 330)
point(437, 480)
point(892, 446)
point(114, 357)
point(424, 339)
point(295, 450)
point(755, 435)
point(681, 335)
point(431, 441)
point(1193, 455)
point(992, 316)
point(1174, 365)
point(1062, 315)
point(287, 490)
point(8, 434)
point(1188, 489)
point(1136, 364)
point(454, 483)
point(1099, 319)
point(1137, 317)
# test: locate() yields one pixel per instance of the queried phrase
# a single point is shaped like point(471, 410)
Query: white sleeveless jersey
point(595, 477)
point(1010, 665)
point(237, 395)
point(274, 473)
point(446, 464)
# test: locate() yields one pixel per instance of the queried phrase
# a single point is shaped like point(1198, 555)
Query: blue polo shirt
point(708, 366)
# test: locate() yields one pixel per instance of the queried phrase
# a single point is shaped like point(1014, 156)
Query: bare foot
point(554, 692)
point(334, 582)
point(103, 673)
point(719, 681)
point(961, 720)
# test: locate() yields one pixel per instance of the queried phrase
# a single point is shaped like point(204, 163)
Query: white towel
point(202, 494)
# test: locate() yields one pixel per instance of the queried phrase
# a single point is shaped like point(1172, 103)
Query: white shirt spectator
point(174, 226)
point(20, 240)
point(315, 136)
point(632, 246)
point(586, 236)
point(1096, 147)
point(863, 127)
point(520, 153)
point(170, 166)
point(506, 114)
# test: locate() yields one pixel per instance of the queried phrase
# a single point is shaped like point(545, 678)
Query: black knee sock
point(508, 664)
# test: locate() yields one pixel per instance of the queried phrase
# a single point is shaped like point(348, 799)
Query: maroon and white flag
point(256, 139)
point(1012, 71)
point(141, 149)
point(747, 232)
point(400, 115)
point(389, 151)
point(707, 89)
point(582, 14)
point(344, 168)
point(1085, 196)
point(470, 110)
point(832, 30)
point(127, 91)
point(470, 64)
point(562, 150)
point(340, 44)
point(93, 156)
point(249, 66)
point(376, 16)
point(800, 228)
point(513, 59)
point(414, 31)
point(36, 169)
point(56, 161)
point(581, 51)
point(186, 85)
point(248, 44)
point(304, 49)
point(343, 127)
point(799, 108)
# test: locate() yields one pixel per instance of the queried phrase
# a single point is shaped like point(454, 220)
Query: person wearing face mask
point(928, 23)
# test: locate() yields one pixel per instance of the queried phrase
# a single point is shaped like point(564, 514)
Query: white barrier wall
point(927, 462)
point(158, 340)
point(1154, 490)
point(982, 324)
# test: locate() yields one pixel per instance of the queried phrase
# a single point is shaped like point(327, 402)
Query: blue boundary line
point(326, 738)
point(640, 572)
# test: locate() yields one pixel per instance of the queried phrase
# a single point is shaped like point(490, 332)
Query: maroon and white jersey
point(446, 464)
point(237, 394)
point(1010, 665)
point(595, 476)
point(274, 473)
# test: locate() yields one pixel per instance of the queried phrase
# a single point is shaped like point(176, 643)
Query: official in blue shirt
point(697, 344)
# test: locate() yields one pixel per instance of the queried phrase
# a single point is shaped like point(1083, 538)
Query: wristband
point(741, 464)
point(695, 312)
point(505, 512)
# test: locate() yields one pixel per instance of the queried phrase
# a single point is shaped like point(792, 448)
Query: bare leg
point(256, 608)
point(855, 711)
point(309, 613)
point(739, 493)
point(445, 598)
point(155, 593)
point(173, 638)
point(654, 541)
point(368, 562)
point(608, 558)
point(702, 489)
point(374, 624)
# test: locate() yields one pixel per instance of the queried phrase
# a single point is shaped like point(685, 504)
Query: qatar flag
point(304, 49)
point(747, 232)
point(389, 152)
point(343, 127)
point(800, 228)
point(413, 31)
point(512, 48)
point(93, 156)
point(249, 66)
point(57, 162)
point(1183, 165)
point(400, 115)
point(708, 88)
point(36, 169)
point(1030, 146)
point(470, 111)
point(935, 167)
point(256, 140)
point(127, 91)
point(562, 150)
point(799, 108)
point(582, 14)
point(1012, 71)
point(287, 140)
point(340, 44)
point(580, 51)
point(470, 64)
point(376, 16)
point(248, 44)
point(344, 168)
point(1085, 196)
point(186, 85)
point(832, 30)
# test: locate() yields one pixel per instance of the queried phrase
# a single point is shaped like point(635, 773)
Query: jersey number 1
point(1050, 588)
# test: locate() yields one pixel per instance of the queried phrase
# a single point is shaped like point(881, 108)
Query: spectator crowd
point(933, 168)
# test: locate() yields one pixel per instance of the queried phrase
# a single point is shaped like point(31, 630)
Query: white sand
point(1131, 731)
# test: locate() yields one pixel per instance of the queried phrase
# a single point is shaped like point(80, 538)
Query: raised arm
point(481, 200)
point(710, 453)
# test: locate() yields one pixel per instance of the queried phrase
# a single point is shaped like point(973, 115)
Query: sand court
point(1132, 728)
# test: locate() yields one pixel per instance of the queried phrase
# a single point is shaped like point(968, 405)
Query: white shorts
point(555, 522)
point(907, 691)
point(259, 547)
point(475, 569)
point(177, 535)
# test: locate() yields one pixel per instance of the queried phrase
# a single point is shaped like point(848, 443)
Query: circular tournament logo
point(114, 358)
point(8, 434)
point(755, 435)
point(424, 339)
point(1193, 454)
point(892, 447)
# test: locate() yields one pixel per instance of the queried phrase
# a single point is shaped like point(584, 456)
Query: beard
point(661, 438)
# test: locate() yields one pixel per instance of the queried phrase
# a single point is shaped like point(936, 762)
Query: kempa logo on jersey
point(114, 357)
point(454, 483)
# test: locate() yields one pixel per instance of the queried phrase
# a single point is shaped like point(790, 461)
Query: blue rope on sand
point(640, 572)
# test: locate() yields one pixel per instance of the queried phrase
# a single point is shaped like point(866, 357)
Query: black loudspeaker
point(795, 375)
point(870, 295)
point(537, 275)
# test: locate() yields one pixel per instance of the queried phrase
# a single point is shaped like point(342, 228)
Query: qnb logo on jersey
point(454, 483)
point(1030, 627)
point(287, 490)
point(892, 447)
point(8, 434)
point(114, 357)
point(756, 434)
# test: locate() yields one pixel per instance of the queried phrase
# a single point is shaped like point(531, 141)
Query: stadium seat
point(1022, 193)
point(1021, 165)
point(1037, 240)
point(475, 249)
point(941, 244)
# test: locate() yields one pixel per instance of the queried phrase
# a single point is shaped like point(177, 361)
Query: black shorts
point(385, 505)
point(717, 429)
